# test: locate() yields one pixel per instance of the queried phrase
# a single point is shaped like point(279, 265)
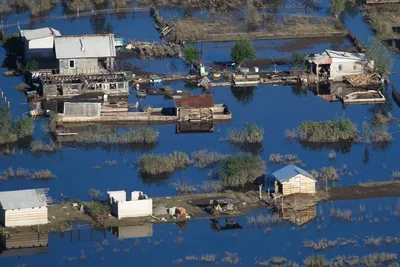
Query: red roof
point(194, 101)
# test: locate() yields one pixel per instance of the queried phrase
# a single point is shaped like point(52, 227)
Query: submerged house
point(139, 205)
point(336, 65)
point(23, 207)
point(292, 180)
point(85, 54)
point(23, 244)
point(39, 43)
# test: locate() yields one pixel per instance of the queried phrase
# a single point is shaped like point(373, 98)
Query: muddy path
point(362, 191)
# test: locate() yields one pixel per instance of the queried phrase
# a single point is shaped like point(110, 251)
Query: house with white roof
point(336, 65)
point(23, 207)
point(39, 43)
point(85, 54)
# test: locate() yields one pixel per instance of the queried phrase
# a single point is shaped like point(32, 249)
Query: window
point(72, 64)
point(121, 85)
point(355, 66)
point(74, 87)
point(340, 67)
point(297, 179)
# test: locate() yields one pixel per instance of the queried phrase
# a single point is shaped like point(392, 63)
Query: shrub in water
point(152, 164)
point(250, 134)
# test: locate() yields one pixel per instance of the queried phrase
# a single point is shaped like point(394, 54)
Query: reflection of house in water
point(23, 243)
point(300, 217)
point(195, 127)
point(145, 230)
point(229, 225)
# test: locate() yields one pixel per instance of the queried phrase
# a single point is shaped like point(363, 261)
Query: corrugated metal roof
point(22, 199)
point(289, 172)
point(82, 109)
point(329, 55)
point(39, 33)
point(85, 46)
point(195, 101)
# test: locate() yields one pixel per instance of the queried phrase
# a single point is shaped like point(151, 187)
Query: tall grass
point(152, 164)
point(206, 159)
point(43, 175)
point(13, 130)
point(340, 129)
point(250, 134)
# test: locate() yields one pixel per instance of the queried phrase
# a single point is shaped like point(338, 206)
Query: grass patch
point(381, 135)
point(211, 186)
point(7, 174)
point(184, 188)
point(152, 164)
point(97, 208)
point(239, 170)
point(13, 130)
point(140, 136)
point(43, 175)
point(39, 146)
point(329, 174)
point(324, 243)
point(332, 155)
point(205, 159)
point(250, 134)
point(338, 130)
point(285, 159)
point(21, 172)
point(396, 174)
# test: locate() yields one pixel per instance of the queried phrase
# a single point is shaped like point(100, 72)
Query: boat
point(156, 80)
point(141, 93)
point(217, 75)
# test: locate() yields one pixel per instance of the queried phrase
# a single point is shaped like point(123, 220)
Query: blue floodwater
point(276, 108)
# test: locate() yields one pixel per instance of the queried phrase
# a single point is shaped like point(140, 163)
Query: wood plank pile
point(362, 80)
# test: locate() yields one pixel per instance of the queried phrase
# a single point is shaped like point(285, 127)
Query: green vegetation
point(329, 174)
point(43, 175)
point(250, 134)
point(253, 18)
point(298, 61)
point(11, 131)
point(192, 55)
point(285, 159)
point(381, 135)
point(239, 170)
point(39, 146)
point(206, 159)
point(98, 208)
point(32, 65)
point(21, 172)
point(187, 187)
point(336, 7)
point(341, 129)
point(243, 50)
point(94, 194)
point(140, 136)
point(377, 52)
point(152, 164)
point(13, 45)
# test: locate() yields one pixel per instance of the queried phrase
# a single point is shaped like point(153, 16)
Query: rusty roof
point(194, 101)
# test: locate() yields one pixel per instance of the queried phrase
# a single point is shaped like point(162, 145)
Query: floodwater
point(276, 108)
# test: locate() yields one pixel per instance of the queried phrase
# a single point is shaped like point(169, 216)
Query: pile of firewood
point(362, 80)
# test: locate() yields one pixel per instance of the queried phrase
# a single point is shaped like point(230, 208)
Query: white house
point(39, 43)
point(336, 65)
point(23, 207)
point(123, 208)
point(85, 54)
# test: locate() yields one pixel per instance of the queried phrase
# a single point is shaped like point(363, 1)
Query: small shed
point(194, 108)
point(136, 207)
point(292, 180)
point(39, 43)
point(23, 207)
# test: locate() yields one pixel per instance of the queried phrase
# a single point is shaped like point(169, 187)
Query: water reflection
point(229, 224)
point(300, 217)
point(243, 95)
point(137, 231)
point(17, 244)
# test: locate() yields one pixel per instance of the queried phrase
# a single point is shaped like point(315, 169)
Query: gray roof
point(39, 33)
point(289, 172)
point(85, 46)
point(22, 199)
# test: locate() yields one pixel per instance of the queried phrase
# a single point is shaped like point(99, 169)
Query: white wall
point(348, 67)
point(25, 217)
point(41, 48)
point(134, 208)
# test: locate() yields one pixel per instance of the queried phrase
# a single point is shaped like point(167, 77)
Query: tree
point(298, 61)
point(242, 51)
point(252, 18)
point(94, 194)
point(377, 52)
point(242, 169)
point(191, 55)
point(336, 7)
point(32, 65)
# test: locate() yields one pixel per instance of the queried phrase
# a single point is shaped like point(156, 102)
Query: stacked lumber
point(362, 80)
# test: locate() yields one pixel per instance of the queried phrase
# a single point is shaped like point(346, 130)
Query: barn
point(39, 43)
point(292, 180)
point(23, 207)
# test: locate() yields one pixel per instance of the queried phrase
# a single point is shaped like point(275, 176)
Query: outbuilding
point(292, 180)
point(194, 108)
point(336, 65)
point(139, 205)
point(23, 207)
point(39, 43)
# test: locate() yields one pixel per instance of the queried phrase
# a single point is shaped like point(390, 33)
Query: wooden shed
point(292, 180)
point(23, 207)
point(194, 108)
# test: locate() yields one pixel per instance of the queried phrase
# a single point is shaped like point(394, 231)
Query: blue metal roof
point(289, 172)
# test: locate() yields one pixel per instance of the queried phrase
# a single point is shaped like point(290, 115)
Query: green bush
point(250, 134)
point(11, 131)
point(152, 164)
point(341, 129)
point(99, 208)
point(239, 170)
